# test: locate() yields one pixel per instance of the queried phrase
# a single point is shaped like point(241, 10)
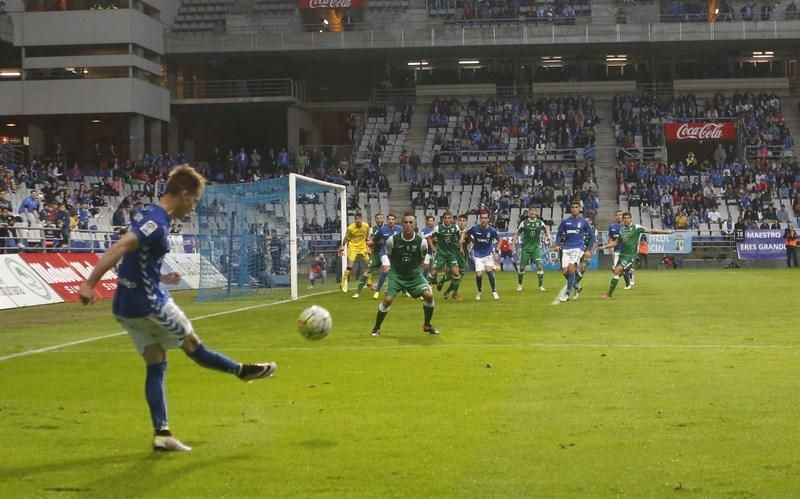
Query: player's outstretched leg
point(479, 284)
point(210, 359)
point(540, 277)
point(520, 277)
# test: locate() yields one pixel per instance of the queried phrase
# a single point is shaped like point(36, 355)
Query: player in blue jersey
point(574, 234)
point(485, 248)
point(379, 242)
point(145, 309)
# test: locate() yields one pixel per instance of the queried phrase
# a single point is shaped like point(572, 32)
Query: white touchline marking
point(555, 301)
point(547, 346)
point(121, 333)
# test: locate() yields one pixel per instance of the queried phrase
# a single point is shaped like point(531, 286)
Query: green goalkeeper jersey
point(406, 255)
point(447, 239)
point(629, 236)
point(530, 232)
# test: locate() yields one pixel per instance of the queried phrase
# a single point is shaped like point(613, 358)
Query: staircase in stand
point(605, 164)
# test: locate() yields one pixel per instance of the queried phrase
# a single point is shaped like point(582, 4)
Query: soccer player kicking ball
point(145, 309)
point(574, 234)
point(530, 232)
point(406, 251)
point(628, 240)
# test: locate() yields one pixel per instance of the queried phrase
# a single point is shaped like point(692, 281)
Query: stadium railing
point(227, 89)
point(431, 34)
point(772, 152)
point(41, 239)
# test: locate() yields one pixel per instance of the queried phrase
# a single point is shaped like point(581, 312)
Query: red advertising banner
point(331, 4)
point(700, 130)
point(64, 272)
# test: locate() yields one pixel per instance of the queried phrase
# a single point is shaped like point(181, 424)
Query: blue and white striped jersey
point(139, 290)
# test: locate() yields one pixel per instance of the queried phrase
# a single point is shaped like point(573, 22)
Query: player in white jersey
point(145, 309)
point(426, 233)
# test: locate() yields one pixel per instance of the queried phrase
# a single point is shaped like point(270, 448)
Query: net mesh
point(244, 238)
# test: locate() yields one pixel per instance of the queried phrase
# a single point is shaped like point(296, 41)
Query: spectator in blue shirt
point(29, 209)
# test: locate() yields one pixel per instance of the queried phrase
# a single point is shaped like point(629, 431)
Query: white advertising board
point(21, 287)
point(188, 266)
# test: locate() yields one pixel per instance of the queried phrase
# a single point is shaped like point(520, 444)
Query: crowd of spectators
point(50, 203)
point(644, 115)
point(497, 124)
point(763, 193)
point(697, 11)
point(495, 11)
point(330, 226)
point(503, 189)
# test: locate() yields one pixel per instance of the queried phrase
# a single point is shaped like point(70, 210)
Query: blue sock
point(570, 281)
point(381, 280)
point(627, 276)
point(154, 393)
point(490, 275)
point(213, 360)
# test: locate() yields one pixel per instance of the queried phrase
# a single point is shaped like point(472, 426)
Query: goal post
point(301, 185)
point(252, 241)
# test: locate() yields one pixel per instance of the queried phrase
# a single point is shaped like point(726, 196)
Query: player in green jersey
point(461, 258)
point(447, 237)
point(628, 240)
point(530, 233)
point(406, 252)
point(374, 257)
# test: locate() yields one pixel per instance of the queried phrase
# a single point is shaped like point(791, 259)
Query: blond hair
point(184, 178)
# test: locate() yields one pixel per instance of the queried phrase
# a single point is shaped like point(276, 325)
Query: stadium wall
point(301, 128)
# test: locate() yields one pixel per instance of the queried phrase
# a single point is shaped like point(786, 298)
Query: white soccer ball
point(314, 323)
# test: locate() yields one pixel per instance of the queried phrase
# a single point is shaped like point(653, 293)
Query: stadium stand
point(672, 196)
point(544, 129)
point(513, 11)
point(201, 15)
point(505, 193)
point(383, 136)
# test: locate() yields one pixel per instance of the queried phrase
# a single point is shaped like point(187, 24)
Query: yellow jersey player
point(356, 241)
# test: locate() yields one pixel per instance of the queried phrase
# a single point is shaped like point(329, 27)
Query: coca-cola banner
point(702, 130)
point(331, 4)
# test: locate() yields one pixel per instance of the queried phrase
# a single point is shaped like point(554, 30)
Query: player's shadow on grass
point(143, 465)
point(159, 471)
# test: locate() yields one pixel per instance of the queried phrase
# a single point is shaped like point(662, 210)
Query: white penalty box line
point(121, 333)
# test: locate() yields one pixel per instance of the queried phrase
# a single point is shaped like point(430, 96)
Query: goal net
point(276, 238)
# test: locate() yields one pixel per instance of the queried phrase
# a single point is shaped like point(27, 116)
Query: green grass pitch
point(686, 386)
